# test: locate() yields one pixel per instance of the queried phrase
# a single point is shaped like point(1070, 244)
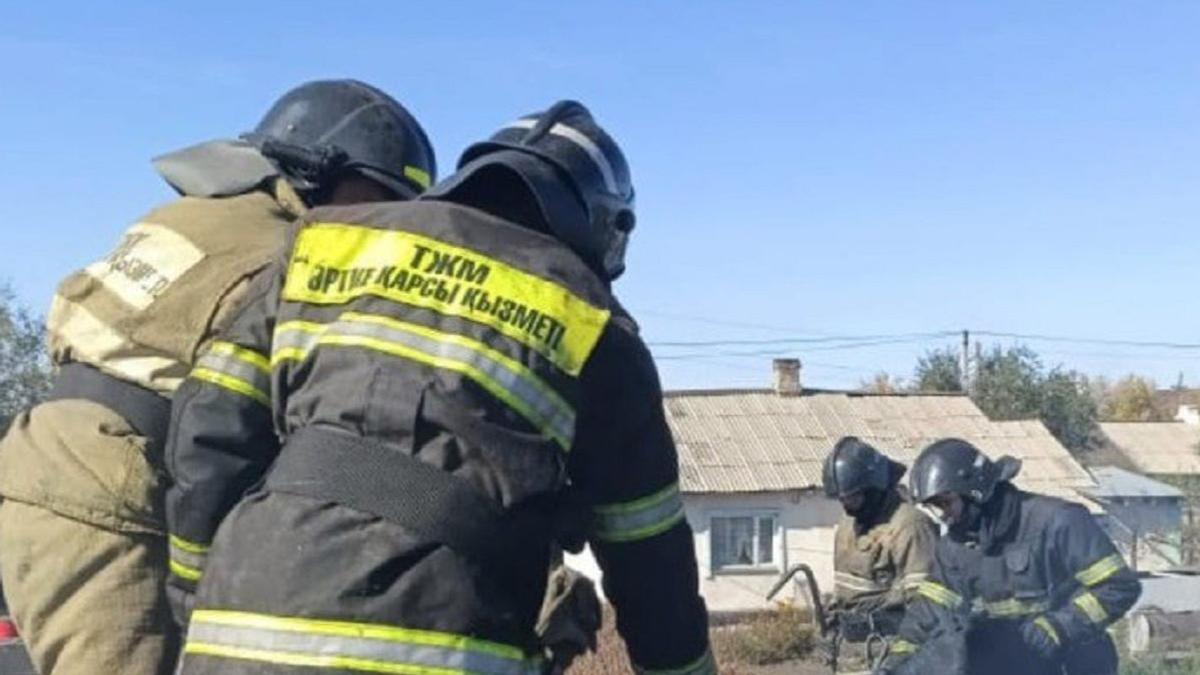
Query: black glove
point(1042, 637)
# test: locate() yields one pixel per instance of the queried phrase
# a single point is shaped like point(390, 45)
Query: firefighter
point(883, 547)
point(455, 390)
point(82, 526)
point(1022, 583)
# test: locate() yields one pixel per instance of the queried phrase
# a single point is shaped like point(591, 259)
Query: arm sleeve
point(221, 438)
point(934, 607)
point(1104, 588)
point(912, 554)
point(625, 464)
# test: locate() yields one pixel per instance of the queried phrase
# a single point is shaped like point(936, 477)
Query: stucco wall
point(804, 533)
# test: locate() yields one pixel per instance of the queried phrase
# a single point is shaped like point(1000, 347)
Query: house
point(1143, 516)
point(750, 471)
point(1158, 448)
point(1168, 452)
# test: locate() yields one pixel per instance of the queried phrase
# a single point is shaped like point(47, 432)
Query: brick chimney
point(787, 377)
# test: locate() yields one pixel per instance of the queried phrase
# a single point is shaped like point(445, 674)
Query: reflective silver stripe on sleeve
point(191, 559)
point(234, 367)
point(349, 646)
point(186, 559)
point(939, 594)
point(857, 583)
point(237, 369)
point(641, 518)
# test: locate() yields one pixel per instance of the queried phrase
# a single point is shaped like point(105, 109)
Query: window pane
point(766, 540)
point(732, 541)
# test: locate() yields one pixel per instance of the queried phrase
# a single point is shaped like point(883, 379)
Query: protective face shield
point(617, 243)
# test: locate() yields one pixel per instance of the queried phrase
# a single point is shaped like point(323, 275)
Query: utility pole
point(965, 366)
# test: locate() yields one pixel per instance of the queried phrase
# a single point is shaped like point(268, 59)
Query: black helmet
point(854, 466)
point(954, 466)
point(569, 141)
point(327, 126)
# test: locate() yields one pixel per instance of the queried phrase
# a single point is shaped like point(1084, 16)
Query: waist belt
point(147, 412)
point(436, 506)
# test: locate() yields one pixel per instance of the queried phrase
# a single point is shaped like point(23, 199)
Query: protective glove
point(569, 620)
point(1042, 637)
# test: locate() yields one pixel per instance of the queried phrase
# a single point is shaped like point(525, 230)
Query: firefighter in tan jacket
point(883, 547)
point(82, 524)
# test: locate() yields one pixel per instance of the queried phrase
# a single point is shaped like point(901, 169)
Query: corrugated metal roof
point(1113, 481)
point(1158, 447)
point(757, 441)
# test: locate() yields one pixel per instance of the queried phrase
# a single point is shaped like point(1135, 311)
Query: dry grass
point(771, 637)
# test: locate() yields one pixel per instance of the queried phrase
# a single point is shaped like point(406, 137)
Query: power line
point(1090, 341)
point(802, 340)
point(778, 352)
point(720, 322)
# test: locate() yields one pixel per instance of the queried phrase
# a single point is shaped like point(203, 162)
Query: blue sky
point(804, 169)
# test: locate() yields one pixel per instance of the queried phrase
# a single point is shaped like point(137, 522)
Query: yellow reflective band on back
point(346, 645)
point(314, 660)
point(418, 176)
point(1044, 623)
point(242, 354)
point(506, 379)
point(1091, 608)
point(232, 384)
point(1101, 570)
point(294, 340)
point(333, 264)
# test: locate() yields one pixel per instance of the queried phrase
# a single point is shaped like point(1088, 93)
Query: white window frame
point(773, 567)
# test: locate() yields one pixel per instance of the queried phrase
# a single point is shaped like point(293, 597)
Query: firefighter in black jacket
point(1022, 583)
point(456, 389)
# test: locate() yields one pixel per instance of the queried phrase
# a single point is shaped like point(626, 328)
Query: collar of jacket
point(1001, 518)
point(888, 503)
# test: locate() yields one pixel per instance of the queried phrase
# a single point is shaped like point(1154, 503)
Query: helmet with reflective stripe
point(954, 466)
point(322, 128)
point(854, 466)
point(564, 142)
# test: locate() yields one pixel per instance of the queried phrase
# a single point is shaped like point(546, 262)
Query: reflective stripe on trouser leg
point(705, 665)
